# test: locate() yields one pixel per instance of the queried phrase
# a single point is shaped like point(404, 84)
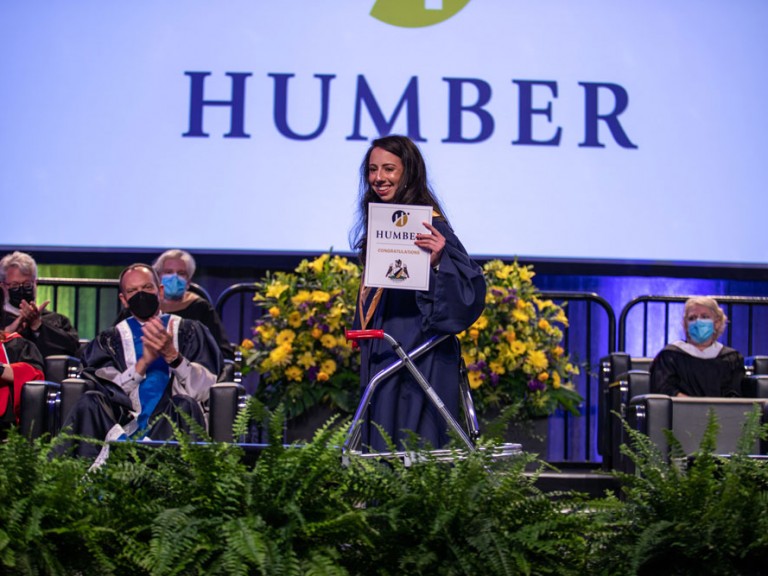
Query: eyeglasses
point(17, 285)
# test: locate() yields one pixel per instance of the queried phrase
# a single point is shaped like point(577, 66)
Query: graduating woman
point(393, 171)
point(700, 365)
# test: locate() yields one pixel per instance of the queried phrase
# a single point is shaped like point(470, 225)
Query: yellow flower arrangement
point(513, 351)
point(298, 345)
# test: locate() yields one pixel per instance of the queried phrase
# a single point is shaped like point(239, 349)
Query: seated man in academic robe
point(147, 369)
point(51, 332)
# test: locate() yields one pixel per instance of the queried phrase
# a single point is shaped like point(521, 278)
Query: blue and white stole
point(158, 374)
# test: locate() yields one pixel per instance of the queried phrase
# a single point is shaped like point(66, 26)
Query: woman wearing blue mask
point(699, 365)
point(176, 268)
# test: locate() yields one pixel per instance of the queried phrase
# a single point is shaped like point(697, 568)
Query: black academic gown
point(201, 310)
point(97, 412)
point(674, 371)
point(455, 299)
point(56, 334)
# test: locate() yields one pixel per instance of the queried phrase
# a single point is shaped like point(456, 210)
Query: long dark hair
point(414, 186)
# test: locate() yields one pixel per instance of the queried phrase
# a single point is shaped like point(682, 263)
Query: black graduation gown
point(56, 334)
point(195, 343)
point(455, 299)
point(96, 413)
point(201, 310)
point(674, 370)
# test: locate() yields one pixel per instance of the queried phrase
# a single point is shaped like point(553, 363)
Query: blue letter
point(527, 110)
point(591, 115)
point(456, 108)
point(384, 127)
point(281, 105)
point(237, 104)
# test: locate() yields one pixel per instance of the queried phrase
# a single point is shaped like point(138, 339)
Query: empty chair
point(611, 398)
point(687, 419)
point(61, 366)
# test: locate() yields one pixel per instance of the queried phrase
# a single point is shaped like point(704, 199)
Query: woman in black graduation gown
point(700, 365)
point(393, 171)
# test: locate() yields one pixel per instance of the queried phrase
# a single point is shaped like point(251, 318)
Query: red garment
point(22, 373)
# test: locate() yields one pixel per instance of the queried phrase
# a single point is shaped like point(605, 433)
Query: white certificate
point(392, 259)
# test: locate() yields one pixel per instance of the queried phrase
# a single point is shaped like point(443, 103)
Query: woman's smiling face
point(384, 173)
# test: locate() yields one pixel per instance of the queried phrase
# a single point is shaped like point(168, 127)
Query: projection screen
point(598, 129)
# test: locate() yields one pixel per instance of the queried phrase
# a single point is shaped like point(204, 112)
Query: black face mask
point(143, 305)
point(16, 295)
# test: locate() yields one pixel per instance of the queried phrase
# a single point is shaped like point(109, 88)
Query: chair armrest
point(226, 399)
point(71, 391)
point(39, 408)
point(755, 386)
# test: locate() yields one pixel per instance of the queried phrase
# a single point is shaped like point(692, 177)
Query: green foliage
point(704, 514)
point(204, 508)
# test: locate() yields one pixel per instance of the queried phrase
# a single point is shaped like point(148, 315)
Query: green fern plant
point(709, 516)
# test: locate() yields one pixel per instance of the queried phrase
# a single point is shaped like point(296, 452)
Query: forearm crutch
point(406, 359)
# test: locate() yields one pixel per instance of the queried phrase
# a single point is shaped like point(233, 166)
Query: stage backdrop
point(598, 129)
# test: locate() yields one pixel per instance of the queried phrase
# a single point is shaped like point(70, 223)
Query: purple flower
point(536, 386)
point(494, 378)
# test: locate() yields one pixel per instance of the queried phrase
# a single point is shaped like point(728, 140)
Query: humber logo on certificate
point(392, 259)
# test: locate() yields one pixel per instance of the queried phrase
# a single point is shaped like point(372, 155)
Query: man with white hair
point(51, 332)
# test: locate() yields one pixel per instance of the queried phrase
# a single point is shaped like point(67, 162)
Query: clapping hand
point(30, 314)
point(158, 341)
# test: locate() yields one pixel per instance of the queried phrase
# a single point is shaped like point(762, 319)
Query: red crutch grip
point(363, 334)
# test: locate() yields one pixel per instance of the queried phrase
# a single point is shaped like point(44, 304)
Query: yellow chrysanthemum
point(328, 366)
point(294, 319)
point(496, 368)
point(509, 336)
point(322, 376)
point(474, 334)
point(274, 311)
point(328, 340)
point(543, 324)
point(316, 332)
point(285, 337)
point(543, 377)
point(517, 347)
point(247, 344)
point(475, 379)
point(281, 355)
point(537, 360)
point(294, 373)
point(481, 323)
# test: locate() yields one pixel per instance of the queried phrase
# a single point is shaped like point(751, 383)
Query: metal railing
point(590, 335)
point(92, 305)
point(648, 323)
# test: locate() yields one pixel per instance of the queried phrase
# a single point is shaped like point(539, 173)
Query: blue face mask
point(174, 286)
point(701, 330)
